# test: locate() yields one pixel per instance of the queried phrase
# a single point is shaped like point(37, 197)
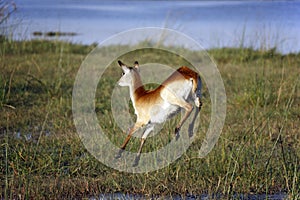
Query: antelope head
point(129, 75)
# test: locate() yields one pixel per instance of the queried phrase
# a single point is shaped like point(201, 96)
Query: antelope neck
point(136, 89)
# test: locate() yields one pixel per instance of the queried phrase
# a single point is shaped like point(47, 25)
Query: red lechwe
point(156, 106)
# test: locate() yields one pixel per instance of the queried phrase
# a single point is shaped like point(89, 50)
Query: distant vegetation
point(42, 156)
point(54, 34)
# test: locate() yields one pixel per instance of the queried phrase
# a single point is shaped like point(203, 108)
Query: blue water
point(279, 196)
point(258, 24)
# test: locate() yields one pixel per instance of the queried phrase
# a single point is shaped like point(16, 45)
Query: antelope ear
point(121, 64)
point(136, 65)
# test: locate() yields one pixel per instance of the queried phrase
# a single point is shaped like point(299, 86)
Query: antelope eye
point(123, 73)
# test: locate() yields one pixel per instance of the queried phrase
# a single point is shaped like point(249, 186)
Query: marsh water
point(278, 196)
point(258, 24)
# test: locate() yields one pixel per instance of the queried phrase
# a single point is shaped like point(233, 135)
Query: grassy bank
point(42, 155)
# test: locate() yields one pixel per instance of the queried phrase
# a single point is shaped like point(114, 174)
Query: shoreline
point(69, 37)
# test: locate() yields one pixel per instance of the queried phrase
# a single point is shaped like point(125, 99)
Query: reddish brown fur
point(141, 94)
point(185, 72)
point(144, 98)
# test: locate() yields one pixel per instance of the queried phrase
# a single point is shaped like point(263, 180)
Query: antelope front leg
point(148, 129)
point(131, 131)
point(138, 156)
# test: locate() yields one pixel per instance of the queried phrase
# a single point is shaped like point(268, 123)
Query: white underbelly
point(160, 113)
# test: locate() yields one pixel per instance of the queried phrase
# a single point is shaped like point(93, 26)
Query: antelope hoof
point(119, 154)
point(200, 105)
point(177, 130)
point(177, 133)
point(136, 161)
point(177, 136)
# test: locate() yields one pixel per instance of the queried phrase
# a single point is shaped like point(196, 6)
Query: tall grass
point(257, 153)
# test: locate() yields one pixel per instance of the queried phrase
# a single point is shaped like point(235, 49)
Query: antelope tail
point(197, 89)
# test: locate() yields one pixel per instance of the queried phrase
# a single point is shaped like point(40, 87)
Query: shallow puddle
point(278, 196)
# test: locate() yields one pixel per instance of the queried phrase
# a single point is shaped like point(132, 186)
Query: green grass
point(42, 155)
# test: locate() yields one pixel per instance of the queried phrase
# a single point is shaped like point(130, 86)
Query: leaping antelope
point(156, 106)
